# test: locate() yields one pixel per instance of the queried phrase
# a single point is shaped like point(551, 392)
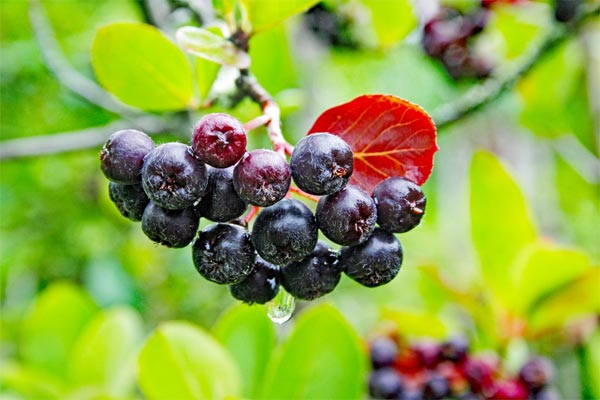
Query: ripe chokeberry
point(122, 156)
point(347, 217)
point(131, 200)
point(285, 232)
point(172, 177)
point(221, 202)
point(537, 372)
point(436, 387)
point(510, 389)
point(314, 276)
point(374, 262)
point(383, 352)
point(321, 163)
point(260, 286)
point(172, 228)
point(223, 253)
point(454, 349)
point(400, 204)
point(219, 140)
point(385, 383)
point(262, 177)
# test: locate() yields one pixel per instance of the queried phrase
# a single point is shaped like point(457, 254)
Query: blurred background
point(506, 255)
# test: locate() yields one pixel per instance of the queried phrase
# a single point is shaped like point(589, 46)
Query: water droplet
point(281, 308)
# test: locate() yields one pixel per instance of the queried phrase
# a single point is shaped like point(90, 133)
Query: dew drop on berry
point(281, 308)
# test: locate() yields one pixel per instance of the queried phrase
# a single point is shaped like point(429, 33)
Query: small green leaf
point(500, 222)
point(206, 74)
point(206, 44)
point(392, 20)
point(29, 382)
point(264, 14)
point(416, 324)
point(141, 67)
point(52, 326)
point(542, 269)
point(104, 355)
point(181, 361)
point(249, 335)
point(592, 364)
point(323, 358)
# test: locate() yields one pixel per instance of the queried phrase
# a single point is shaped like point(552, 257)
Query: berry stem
point(302, 193)
point(257, 122)
point(251, 214)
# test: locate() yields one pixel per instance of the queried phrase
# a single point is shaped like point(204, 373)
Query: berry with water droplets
point(260, 286)
point(172, 228)
point(400, 204)
point(122, 156)
point(131, 200)
point(219, 140)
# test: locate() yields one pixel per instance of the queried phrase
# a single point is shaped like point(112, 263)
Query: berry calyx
point(219, 140)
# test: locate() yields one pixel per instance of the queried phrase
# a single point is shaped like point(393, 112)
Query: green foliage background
point(507, 253)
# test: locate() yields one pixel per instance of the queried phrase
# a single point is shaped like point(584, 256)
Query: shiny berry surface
point(400, 204)
point(131, 200)
point(221, 202)
point(122, 156)
point(219, 140)
point(260, 286)
point(171, 228)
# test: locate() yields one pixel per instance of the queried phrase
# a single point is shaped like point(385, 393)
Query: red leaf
point(389, 137)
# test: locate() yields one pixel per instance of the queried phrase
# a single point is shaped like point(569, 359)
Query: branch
point(481, 95)
point(77, 140)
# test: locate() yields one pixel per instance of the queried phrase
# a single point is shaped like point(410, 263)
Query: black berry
point(347, 217)
point(122, 156)
point(566, 10)
point(385, 383)
point(131, 200)
point(400, 204)
point(436, 387)
point(221, 202)
point(321, 163)
point(223, 253)
point(383, 352)
point(285, 232)
point(260, 286)
point(454, 349)
point(374, 262)
point(172, 177)
point(537, 372)
point(219, 140)
point(172, 228)
point(314, 276)
point(262, 177)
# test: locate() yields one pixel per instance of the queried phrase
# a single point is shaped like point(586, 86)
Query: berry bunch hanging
point(171, 186)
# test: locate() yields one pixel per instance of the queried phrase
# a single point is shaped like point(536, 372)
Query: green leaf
point(207, 44)
point(264, 14)
point(52, 326)
point(577, 299)
point(206, 74)
point(141, 67)
point(181, 361)
point(104, 355)
point(29, 382)
point(592, 364)
point(392, 20)
point(543, 269)
point(322, 358)
point(416, 324)
point(249, 335)
point(500, 222)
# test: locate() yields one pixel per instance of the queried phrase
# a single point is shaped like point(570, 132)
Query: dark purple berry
point(411, 394)
point(537, 372)
point(385, 383)
point(400, 204)
point(374, 262)
point(347, 217)
point(219, 140)
point(131, 200)
point(172, 228)
point(172, 177)
point(428, 354)
point(383, 352)
point(436, 387)
point(480, 373)
point(223, 253)
point(285, 232)
point(547, 393)
point(122, 156)
point(314, 276)
point(454, 349)
point(260, 286)
point(321, 163)
point(566, 10)
point(262, 177)
point(221, 202)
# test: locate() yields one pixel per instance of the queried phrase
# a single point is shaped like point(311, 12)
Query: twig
point(302, 193)
point(67, 75)
point(261, 120)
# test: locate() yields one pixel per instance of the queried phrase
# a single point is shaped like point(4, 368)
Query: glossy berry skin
point(122, 156)
point(321, 163)
point(374, 262)
point(131, 200)
point(400, 204)
point(383, 352)
point(260, 286)
point(480, 373)
point(172, 228)
point(219, 140)
point(262, 177)
point(314, 276)
point(221, 202)
point(347, 217)
point(385, 383)
point(537, 372)
point(223, 254)
point(172, 177)
point(285, 232)
point(436, 387)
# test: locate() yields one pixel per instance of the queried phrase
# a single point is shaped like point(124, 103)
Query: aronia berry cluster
point(170, 187)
